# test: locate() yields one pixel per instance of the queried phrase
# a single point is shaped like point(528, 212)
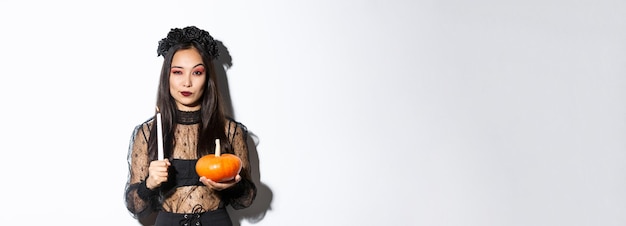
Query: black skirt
point(218, 217)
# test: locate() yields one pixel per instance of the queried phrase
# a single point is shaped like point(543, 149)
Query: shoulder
point(230, 122)
point(147, 123)
point(233, 126)
point(144, 126)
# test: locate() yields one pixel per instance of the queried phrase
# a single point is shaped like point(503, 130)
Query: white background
point(366, 112)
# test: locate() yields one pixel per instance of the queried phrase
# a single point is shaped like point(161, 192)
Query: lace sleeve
point(140, 201)
point(243, 193)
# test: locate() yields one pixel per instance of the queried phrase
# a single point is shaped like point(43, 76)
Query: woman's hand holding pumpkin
point(157, 173)
point(220, 185)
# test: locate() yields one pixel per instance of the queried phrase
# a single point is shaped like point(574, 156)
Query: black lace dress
point(183, 193)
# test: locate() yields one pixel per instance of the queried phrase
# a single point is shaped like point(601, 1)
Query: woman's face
point(187, 76)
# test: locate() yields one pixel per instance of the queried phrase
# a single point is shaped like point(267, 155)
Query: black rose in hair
point(189, 34)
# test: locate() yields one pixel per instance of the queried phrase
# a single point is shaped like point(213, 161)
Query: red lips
point(184, 93)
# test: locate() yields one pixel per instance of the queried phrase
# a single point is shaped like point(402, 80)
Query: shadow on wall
point(262, 203)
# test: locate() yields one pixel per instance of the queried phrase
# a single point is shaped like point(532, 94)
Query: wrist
point(149, 185)
point(144, 191)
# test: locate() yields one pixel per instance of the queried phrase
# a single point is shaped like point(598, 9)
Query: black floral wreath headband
point(190, 34)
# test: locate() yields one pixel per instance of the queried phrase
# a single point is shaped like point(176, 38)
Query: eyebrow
point(200, 64)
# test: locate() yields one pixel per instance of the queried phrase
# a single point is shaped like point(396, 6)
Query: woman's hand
point(157, 173)
point(219, 185)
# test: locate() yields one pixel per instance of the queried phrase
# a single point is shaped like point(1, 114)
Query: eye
point(198, 72)
point(176, 72)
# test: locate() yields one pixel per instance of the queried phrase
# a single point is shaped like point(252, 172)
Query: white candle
point(218, 149)
point(159, 135)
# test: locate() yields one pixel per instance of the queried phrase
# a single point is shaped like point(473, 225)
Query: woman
point(192, 119)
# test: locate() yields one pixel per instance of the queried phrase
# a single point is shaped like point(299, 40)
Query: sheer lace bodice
point(184, 198)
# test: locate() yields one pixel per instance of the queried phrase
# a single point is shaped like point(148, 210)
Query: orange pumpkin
point(218, 167)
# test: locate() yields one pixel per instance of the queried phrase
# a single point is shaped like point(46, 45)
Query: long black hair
point(212, 119)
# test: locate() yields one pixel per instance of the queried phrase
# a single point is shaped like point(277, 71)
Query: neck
point(187, 117)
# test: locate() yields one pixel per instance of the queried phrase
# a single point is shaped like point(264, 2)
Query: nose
point(186, 82)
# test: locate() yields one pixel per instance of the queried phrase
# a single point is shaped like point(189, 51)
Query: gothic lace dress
point(183, 193)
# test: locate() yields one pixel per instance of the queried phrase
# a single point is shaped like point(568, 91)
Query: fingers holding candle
point(157, 173)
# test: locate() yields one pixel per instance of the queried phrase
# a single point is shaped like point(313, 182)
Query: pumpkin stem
point(218, 150)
